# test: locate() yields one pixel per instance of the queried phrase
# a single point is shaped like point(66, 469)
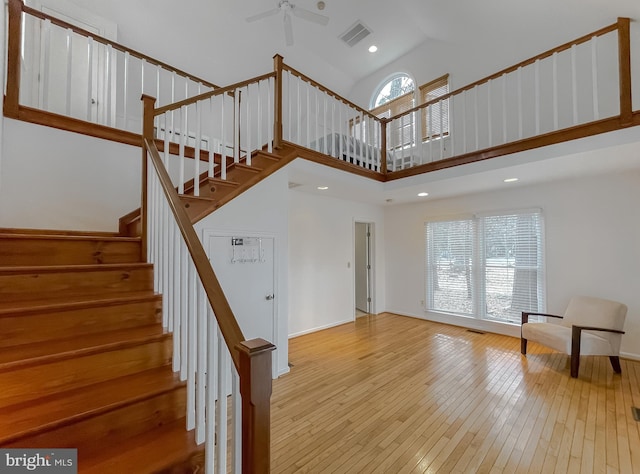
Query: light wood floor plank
point(391, 394)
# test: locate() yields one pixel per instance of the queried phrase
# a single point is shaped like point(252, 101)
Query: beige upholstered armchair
point(590, 326)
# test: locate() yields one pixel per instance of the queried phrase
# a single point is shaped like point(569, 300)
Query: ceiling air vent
point(355, 34)
point(293, 185)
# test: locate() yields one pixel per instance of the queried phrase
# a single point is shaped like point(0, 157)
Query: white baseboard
point(284, 371)
point(320, 328)
point(630, 355)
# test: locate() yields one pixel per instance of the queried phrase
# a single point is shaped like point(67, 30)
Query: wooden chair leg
point(615, 363)
point(523, 346)
point(575, 365)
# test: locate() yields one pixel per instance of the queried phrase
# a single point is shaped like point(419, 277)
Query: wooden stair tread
point(24, 419)
point(151, 452)
point(72, 268)
point(11, 308)
point(70, 237)
point(44, 352)
point(52, 232)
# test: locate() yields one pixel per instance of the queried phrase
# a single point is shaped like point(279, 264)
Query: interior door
point(244, 266)
point(363, 266)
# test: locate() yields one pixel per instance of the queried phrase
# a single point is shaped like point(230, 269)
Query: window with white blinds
point(489, 266)
point(435, 117)
point(400, 131)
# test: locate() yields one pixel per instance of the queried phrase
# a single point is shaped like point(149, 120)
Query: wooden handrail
point(207, 95)
point(329, 92)
point(229, 327)
point(108, 42)
point(526, 62)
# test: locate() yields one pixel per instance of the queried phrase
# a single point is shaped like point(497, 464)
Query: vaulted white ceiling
point(212, 38)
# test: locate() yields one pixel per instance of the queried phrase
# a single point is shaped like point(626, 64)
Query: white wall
point(53, 179)
point(321, 260)
point(592, 245)
point(263, 209)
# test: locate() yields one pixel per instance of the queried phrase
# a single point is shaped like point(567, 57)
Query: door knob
point(269, 297)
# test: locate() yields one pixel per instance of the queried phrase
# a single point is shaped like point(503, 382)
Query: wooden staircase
point(215, 192)
point(84, 360)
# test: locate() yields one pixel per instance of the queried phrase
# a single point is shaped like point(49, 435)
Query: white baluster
point(192, 343)
point(307, 142)
point(555, 90)
point(177, 277)
point(536, 71)
point(213, 369)
point(489, 117)
point(504, 109)
point(125, 88)
point(203, 305)
point(157, 96)
point(440, 105)
point(196, 155)
point(248, 130)
point(259, 123)
point(142, 68)
point(45, 47)
point(475, 117)
point(519, 77)
point(270, 86)
point(237, 422)
point(464, 121)
point(109, 115)
point(574, 84)
point(210, 170)
point(450, 130)
point(223, 141)
point(183, 133)
point(184, 312)
point(594, 77)
point(90, 100)
point(236, 126)
point(173, 100)
point(221, 418)
point(69, 69)
point(430, 130)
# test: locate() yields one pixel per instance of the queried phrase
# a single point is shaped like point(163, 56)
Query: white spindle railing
point(552, 92)
point(219, 127)
point(71, 72)
point(200, 354)
point(317, 119)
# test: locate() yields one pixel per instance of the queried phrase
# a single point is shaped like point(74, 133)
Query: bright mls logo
point(58, 461)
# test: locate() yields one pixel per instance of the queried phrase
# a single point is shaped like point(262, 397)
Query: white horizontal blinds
point(450, 259)
point(489, 267)
point(401, 129)
point(513, 264)
point(435, 119)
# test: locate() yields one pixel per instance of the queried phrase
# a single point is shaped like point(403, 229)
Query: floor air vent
point(355, 34)
point(475, 331)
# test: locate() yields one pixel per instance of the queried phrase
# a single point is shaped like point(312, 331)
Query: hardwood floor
point(391, 394)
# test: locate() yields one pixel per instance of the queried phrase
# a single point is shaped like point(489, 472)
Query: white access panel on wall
point(244, 266)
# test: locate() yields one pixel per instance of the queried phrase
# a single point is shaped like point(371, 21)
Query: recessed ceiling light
point(423, 194)
point(373, 48)
point(323, 188)
point(511, 180)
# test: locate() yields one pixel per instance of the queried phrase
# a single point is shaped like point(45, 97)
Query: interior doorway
point(363, 268)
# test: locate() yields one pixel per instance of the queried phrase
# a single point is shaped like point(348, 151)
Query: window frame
point(519, 276)
point(427, 94)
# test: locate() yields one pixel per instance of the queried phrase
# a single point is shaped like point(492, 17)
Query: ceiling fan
point(287, 8)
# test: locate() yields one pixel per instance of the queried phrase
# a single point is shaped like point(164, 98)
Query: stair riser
point(116, 425)
point(19, 251)
point(26, 383)
point(58, 284)
point(58, 324)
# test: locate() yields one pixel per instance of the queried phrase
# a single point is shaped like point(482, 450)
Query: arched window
point(397, 86)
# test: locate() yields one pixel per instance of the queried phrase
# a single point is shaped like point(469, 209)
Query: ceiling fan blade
point(288, 30)
point(262, 15)
point(309, 15)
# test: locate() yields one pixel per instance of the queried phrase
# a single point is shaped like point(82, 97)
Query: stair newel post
point(148, 107)
point(624, 60)
point(383, 145)
point(255, 388)
point(277, 101)
point(11, 102)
